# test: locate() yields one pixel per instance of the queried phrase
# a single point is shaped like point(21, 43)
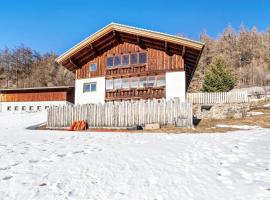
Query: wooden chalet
point(121, 63)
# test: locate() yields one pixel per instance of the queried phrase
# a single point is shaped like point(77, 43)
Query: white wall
point(4, 105)
point(176, 85)
point(90, 97)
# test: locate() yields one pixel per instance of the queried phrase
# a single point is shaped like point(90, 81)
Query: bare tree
point(247, 53)
point(24, 67)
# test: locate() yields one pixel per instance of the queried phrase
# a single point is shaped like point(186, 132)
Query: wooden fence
point(218, 97)
point(256, 92)
point(123, 114)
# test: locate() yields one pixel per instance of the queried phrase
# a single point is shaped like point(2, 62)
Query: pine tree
point(219, 78)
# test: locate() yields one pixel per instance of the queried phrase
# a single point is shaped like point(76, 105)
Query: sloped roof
point(130, 30)
point(114, 34)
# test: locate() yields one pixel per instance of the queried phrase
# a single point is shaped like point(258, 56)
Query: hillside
point(24, 67)
point(247, 53)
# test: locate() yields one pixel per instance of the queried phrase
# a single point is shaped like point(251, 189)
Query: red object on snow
point(79, 125)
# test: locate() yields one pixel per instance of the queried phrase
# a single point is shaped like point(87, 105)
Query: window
point(46, 107)
point(143, 82)
point(125, 83)
point(31, 107)
point(16, 108)
point(133, 58)
point(109, 84)
point(23, 107)
point(134, 83)
point(125, 60)
point(110, 62)
point(9, 108)
point(117, 83)
point(93, 67)
point(151, 81)
point(90, 87)
point(142, 58)
point(161, 81)
point(38, 107)
point(117, 61)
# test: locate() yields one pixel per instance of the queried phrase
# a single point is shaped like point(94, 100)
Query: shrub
point(219, 78)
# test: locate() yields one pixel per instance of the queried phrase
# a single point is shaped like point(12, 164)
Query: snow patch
point(243, 127)
point(253, 113)
point(267, 105)
point(67, 165)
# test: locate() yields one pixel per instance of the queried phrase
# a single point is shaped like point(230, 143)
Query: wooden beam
point(183, 51)
point(166, 46)
point(74, 63)
point(92, 47)
point(140, 42)
point(92, 54)
point(116, 35)
point(97, 46)
point(86, 58)
point(104, 40)
point(138, 39)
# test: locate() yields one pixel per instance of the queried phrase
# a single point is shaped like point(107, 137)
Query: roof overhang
point(114, 34)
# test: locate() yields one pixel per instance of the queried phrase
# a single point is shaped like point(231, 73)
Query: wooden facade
point(158, 62)
point(165, 53)
point(37, 94)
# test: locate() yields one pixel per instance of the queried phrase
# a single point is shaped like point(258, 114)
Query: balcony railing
point(139, 93)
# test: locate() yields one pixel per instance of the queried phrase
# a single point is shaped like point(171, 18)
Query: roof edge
point(35, 88)
point(131, 29)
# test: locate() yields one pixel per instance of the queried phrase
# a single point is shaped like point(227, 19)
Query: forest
point(246, 53)
point(23, 67)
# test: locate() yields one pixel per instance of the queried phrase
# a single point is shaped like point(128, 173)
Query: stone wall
point(222, 111)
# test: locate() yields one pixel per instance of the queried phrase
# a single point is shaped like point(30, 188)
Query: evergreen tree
point(219, 78)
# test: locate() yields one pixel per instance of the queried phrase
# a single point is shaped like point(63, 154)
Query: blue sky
point(57, 25)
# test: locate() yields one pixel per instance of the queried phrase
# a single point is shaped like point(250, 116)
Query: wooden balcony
point(139, 93)
point(126, 70)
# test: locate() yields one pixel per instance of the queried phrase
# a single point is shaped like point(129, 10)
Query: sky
point(57, 25)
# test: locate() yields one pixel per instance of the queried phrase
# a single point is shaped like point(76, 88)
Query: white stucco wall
point(90, 97)
point(176, 85)
point(4, 105)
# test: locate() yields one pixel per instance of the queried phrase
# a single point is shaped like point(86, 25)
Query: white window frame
point(89, 83)
point(106, 84)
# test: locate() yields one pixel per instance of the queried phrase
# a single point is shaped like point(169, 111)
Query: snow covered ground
point(66, 165)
